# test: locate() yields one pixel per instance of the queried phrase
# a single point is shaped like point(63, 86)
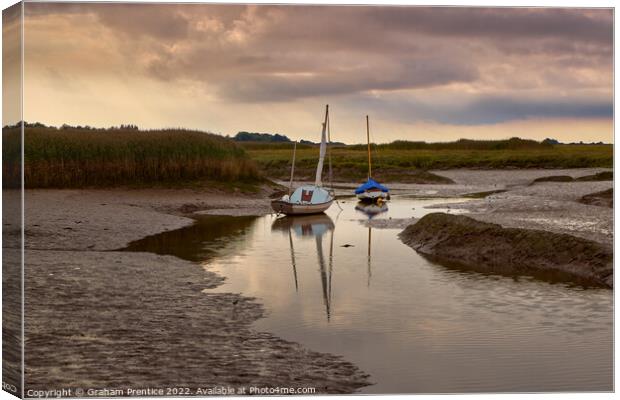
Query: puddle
point(335, 285)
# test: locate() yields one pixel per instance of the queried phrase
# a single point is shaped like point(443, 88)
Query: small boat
point(371, 191)
point(307, 199)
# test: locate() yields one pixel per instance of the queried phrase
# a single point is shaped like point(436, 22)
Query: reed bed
point(58, 158)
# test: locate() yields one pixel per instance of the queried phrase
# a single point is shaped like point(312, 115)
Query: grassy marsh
point(410, 164)
point(88, 157)
point(96, 157)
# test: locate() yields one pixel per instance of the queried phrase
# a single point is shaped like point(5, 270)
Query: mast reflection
point(306, 227)
point(371, 210)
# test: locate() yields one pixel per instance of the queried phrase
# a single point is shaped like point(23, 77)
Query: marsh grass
point(86, 157)
point(96, 157)
point(395, 162)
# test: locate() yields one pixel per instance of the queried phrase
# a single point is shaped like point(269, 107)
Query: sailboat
point(307, 199)
point(371, 190)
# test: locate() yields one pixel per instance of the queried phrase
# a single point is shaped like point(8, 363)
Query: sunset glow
point(421, 73)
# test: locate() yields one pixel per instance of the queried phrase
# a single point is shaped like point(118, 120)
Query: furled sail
point(319, 168)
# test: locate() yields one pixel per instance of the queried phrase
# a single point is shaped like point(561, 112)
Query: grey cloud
point(409, 74)
point(292, 52)
point(502, 22)
point(398, 28)
point(157, 21)
point(495, 110)
point(485, 110)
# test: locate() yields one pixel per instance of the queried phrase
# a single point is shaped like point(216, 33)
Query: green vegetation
point(463, 144)
point(83, 157)
point(408, 161)
point(260, 137)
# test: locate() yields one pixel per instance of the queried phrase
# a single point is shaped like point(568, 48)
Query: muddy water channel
point(334, 285)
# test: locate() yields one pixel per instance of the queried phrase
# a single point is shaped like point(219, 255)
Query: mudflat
point(548, 206)
point(532, 224)
point(99, 318)
point(486, 247)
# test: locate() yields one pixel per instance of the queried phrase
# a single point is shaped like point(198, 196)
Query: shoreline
point(72, 238)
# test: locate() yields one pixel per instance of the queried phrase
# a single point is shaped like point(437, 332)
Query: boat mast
point(290, 185)
point(368, 139)
point(329, 153)
point(319, 168)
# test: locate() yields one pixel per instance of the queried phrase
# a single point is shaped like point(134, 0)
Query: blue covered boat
point(371, 190)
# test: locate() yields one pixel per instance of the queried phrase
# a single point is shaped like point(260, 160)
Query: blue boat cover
point(371, 184)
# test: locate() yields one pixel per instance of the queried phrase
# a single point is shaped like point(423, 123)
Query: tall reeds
point(82, 157)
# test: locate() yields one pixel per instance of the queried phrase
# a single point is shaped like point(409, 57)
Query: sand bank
point(486, 247)
point(557, 230)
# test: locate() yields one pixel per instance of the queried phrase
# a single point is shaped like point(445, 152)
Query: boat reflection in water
point(306, 227)
point(318, 226)
point(371, 210)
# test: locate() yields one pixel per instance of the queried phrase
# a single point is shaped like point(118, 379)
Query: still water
point(335, 285)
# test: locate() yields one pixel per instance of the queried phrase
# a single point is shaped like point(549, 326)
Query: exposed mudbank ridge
point(604, 198)
point(486, 247)
point(598, 177)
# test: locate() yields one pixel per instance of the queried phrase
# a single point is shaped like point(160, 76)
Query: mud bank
point(135, 320)
point(549, 206)
point(486, 247)
point(602, 199)
point(99, 318)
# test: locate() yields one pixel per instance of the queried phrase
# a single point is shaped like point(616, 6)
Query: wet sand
point(528, 226)
point(97, 318)
point(116, 318)
point(549, 206)
point(480, 246)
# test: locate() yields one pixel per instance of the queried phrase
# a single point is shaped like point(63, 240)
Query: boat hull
point(285, 207)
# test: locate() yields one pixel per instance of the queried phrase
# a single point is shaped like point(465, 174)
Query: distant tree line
point(243, 136)
point(123, 127)
point(260, 137)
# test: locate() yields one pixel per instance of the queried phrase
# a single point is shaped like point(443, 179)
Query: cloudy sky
point(421, 73)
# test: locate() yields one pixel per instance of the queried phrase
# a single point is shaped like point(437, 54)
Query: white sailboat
point(307, 199)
